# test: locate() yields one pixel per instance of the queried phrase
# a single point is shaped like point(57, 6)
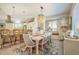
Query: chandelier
point(41, 20)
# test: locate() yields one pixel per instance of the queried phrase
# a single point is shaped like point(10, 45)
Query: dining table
point(37, 38)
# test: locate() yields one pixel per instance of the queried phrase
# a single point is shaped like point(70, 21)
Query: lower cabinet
point(71, 47)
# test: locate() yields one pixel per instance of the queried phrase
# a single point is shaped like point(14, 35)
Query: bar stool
point(16, 35)
point(5, 33)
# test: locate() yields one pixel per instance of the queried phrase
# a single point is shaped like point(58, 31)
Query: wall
point(75, 19)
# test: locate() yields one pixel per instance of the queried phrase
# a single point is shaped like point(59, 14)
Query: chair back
point(27, 39)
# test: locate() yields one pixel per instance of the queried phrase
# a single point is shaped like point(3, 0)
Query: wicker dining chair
point(28, 42)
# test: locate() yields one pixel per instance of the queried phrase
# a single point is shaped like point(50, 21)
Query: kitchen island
point(71, 46)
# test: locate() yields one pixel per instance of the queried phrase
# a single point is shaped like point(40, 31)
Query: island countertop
point(72, 39)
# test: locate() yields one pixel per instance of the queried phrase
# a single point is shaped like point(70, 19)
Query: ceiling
point(20, 11)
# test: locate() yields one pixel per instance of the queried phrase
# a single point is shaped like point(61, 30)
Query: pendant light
point(41, 20)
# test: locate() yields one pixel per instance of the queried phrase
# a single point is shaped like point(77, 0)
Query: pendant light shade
point(41, 20)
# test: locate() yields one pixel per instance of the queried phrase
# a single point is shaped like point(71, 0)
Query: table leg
point(37, 48)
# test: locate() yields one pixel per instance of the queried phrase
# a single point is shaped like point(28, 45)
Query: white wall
point(75, 19)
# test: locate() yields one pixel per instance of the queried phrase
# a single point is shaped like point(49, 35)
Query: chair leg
point(42, 47)
point(31, 50)
point(25, 48)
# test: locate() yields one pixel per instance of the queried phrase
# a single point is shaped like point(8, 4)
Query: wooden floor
point(55, 49)
point(9, 50)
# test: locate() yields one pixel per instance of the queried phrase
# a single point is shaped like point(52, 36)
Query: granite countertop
point(75, 38)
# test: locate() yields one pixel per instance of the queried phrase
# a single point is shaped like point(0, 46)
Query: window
point(18, 25)
point(53, 25)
